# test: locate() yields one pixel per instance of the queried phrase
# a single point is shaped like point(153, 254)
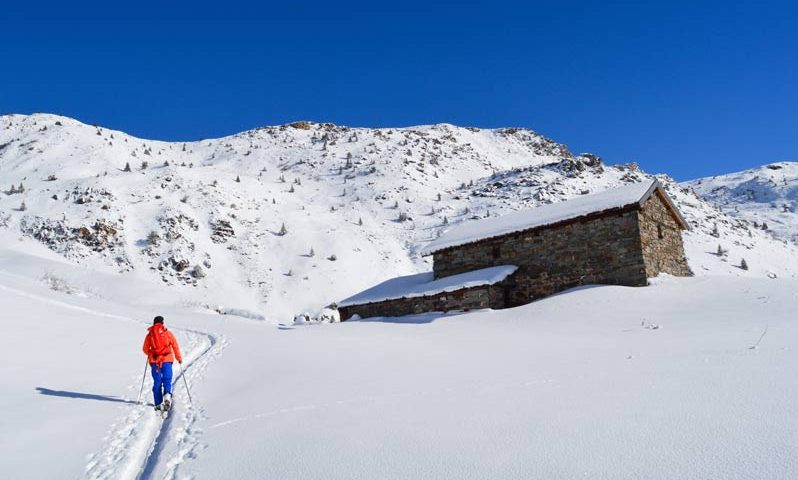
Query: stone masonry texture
point(485, 296)
point(620, 247)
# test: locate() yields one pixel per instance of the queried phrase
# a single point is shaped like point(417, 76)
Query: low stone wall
point(485, 296)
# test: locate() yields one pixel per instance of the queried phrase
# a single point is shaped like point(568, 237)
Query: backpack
point(159, 341)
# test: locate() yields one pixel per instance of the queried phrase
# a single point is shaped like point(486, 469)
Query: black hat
point(158, 319)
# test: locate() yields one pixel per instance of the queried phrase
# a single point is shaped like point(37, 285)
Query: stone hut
point(621, 236)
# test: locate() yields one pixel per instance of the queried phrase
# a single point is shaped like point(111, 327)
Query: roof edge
point(656, 185)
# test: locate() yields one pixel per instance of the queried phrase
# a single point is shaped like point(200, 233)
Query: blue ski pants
point(161, 381)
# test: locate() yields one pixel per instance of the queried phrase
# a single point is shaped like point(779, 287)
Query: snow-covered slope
point(270, 222)
point(692, 378)
point(767, 197)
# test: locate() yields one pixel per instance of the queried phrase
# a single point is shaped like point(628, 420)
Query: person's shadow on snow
point(84, 396)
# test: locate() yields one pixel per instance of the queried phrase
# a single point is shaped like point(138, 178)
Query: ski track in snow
point(142, 445)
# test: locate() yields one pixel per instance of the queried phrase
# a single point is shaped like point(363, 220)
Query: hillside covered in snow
point(766, 197)
point(99, 231)
point(278, 220)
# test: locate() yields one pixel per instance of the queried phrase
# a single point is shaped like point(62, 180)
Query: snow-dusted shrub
point(239, 312)
point(198, 272)
point(329, 315)
point(326, 315)
point(153, 238)
point(58, 284)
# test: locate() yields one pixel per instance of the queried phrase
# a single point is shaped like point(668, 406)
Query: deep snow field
point(689, 378)
point(600, 382)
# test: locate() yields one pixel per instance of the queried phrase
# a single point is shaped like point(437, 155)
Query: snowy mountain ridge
point(765, 196)
point(276, 220)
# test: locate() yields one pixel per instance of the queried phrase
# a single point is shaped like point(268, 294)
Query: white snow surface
point(424, 284)
point(540, 216)
point(693, 378)
point(657, 382)
point(766, 196)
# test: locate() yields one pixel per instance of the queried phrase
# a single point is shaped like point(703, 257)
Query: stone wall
point(603, 249)
point(663, 249)
point(485, 296)
point(623, 247)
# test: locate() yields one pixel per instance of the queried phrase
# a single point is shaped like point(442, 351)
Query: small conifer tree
point(743, 264)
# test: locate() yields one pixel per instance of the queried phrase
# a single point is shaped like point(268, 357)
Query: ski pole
point(143, 376)
point(183, 374)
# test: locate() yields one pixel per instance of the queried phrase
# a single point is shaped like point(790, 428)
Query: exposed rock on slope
point(254, 221)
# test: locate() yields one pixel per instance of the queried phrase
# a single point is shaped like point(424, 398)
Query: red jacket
point(171, 341)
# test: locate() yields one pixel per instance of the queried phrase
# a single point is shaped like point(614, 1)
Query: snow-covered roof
point(423, 284)
point(552, 213)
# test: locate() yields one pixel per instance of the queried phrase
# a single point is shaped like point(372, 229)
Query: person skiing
point(161, 348)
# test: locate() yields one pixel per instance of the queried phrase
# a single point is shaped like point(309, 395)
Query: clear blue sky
point(686, 88)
